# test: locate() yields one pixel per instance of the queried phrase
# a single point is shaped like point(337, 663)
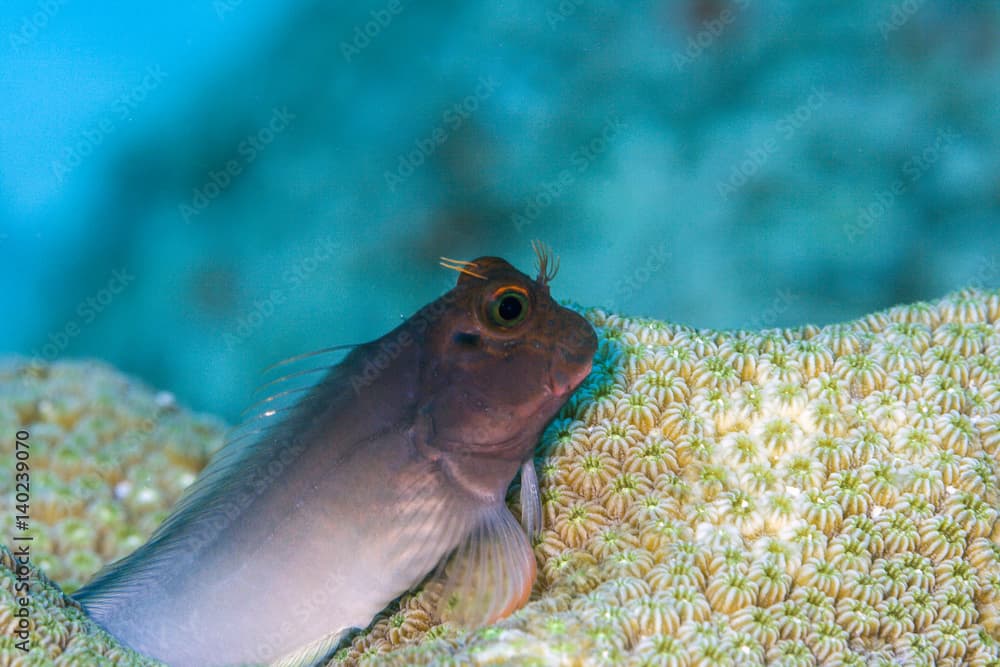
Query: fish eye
point(508, 307)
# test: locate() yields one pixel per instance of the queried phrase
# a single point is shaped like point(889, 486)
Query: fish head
point(505, 357)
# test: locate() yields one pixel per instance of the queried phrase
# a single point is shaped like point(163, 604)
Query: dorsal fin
point(293, 398)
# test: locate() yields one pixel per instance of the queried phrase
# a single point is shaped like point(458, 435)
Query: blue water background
point(194, 190)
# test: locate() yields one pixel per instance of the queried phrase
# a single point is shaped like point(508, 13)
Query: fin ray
point(531, 500)
point(490, 575)
point(315, 654)
point(308, 355)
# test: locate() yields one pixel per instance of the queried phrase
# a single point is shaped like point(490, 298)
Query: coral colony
point(798, 497)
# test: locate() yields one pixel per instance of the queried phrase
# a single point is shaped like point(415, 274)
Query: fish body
point(325, 508)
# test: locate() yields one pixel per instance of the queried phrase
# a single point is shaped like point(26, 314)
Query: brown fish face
point(503, 358)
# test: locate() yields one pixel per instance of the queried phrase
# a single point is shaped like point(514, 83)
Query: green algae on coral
point(58, 632)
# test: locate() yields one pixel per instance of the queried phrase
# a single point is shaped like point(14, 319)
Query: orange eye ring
point(508, 306)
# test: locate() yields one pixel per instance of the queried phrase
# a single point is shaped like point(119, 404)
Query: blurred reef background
point(194, 191)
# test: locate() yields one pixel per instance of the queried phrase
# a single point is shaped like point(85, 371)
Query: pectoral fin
point(531, 500)
point(491, 573)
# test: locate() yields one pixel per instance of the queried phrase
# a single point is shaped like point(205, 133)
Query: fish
point(354, 482)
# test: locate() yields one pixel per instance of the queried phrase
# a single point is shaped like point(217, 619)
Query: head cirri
point(504, 358)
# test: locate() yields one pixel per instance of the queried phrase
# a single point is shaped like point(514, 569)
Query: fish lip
point(553, 390)
point(562, 390)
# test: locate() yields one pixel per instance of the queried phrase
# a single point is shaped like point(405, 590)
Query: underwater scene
point(566, 332)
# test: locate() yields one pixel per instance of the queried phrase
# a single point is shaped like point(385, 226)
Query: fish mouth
point(562, 383)
point(574, 360)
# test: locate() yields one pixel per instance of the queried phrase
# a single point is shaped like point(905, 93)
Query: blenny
point(342, 493)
